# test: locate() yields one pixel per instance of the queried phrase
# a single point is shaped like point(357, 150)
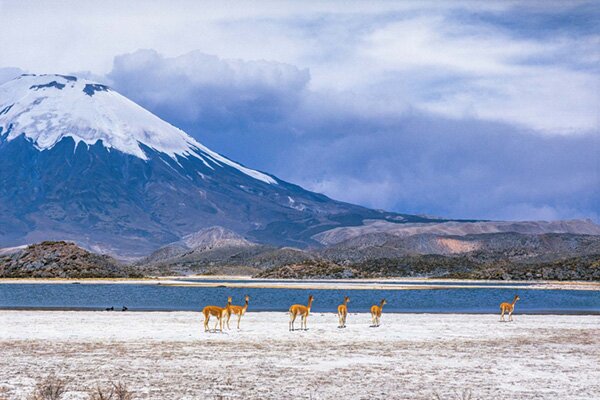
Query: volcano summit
point(79, 161)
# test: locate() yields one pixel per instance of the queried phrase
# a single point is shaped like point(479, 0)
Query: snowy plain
point(167, 355)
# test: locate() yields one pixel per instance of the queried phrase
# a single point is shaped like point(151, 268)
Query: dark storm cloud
point(529, 20)
point(220, 94)
point(469, 169)
point(264, 115)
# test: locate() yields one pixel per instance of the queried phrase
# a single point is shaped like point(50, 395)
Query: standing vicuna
point(376, 313)
point(217, 312)
point(303, 311)
point(343, 312)
point(508, 308)
point(239, 311)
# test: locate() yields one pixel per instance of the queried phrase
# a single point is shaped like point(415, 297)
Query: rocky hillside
point(477, 256)
point(510, 246)
point(506, 255)
point(61, 260)
point(583, 268)
point(216, 250)
point(409, 266)
point(586, 268)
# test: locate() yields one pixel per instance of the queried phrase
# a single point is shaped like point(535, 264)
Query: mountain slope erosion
point(78, 161)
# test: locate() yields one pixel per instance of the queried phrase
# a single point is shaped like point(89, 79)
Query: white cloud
point(393, 55)
point(547, 99)
point(436, 42)
point(481, 72)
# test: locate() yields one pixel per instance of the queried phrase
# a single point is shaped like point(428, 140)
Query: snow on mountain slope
point(48, 108)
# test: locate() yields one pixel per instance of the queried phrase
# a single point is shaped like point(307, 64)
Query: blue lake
point(172, 298)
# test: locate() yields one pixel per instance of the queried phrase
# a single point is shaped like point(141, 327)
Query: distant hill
point(61, 260)
point(584, 268)
point(501, 255)
point(457, 228)
point(218, 250)
point(492, 246)
point(482, 256)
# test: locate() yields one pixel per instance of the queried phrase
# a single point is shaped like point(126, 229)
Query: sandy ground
point(164, 355)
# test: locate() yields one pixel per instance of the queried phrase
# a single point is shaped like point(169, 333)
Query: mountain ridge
point(575, 226)
point(486, 256)
point(80, 162)
point(81, 174)
point(505, 248)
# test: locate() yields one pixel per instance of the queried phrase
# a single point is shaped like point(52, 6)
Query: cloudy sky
point(458, 109)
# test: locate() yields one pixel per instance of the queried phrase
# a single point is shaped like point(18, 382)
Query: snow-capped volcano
point(79, 161)
point(48, 108)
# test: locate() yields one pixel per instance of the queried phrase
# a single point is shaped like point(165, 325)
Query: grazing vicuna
point(508, 308)
point(303, 311)
point(376, 313)
point(239, 311)
point(343, 312)
point(217, 312)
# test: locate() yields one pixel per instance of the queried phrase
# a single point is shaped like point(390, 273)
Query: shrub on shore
point(54, 388)
point(115, 391)
point(51, 388)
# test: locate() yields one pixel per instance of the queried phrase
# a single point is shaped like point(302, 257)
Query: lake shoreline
point(316, 284)
point(265, 311)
